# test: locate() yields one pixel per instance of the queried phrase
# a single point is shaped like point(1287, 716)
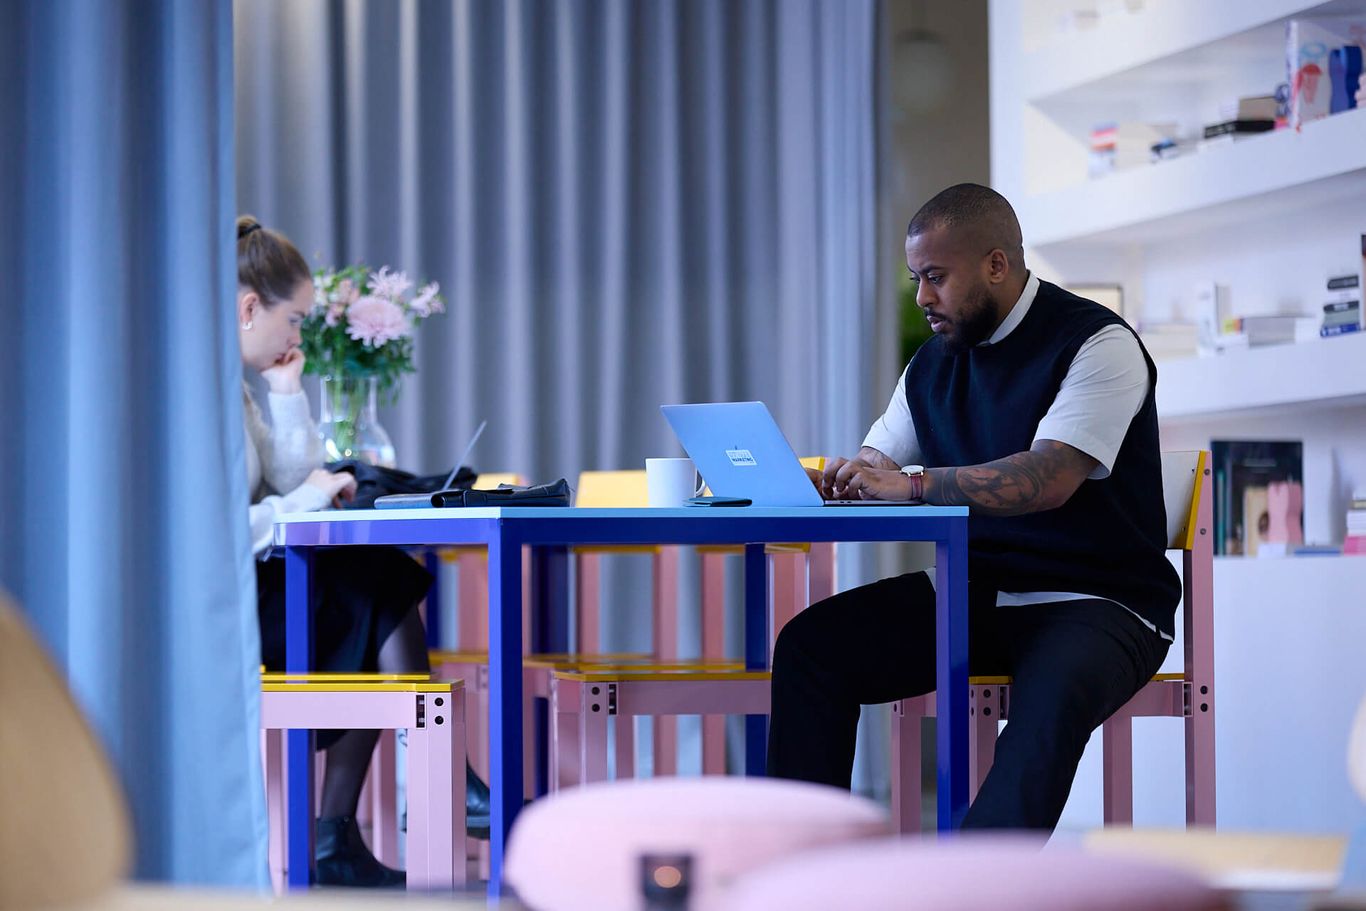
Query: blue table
point(506, 531)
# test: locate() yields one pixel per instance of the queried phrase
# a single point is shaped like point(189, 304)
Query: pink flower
point(426, 303)
point(347, 293)
point(344, 295)
point(391, 285)
point(375, 321)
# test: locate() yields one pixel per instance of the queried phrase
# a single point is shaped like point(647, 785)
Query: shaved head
point(975, 216)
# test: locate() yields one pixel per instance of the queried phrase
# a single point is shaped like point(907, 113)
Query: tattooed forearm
point(1042, 478)
point(876, 458)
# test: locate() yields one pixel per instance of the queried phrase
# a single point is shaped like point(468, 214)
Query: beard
point(974, 326)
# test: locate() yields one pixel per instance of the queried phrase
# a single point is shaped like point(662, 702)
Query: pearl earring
point(247, 324)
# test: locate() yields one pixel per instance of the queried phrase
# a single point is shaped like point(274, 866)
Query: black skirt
point(360, 596)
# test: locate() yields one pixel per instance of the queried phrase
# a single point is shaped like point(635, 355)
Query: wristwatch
point(917, 475)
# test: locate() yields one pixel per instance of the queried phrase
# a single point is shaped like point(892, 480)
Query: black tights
point(405, 651)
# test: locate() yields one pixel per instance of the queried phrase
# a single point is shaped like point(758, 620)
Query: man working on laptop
point(1034, 408)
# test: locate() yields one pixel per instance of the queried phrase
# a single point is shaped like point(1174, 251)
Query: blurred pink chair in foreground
point(969, 873)
point(581, 849)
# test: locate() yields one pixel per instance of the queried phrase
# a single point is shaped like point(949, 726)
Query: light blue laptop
point(740, 452)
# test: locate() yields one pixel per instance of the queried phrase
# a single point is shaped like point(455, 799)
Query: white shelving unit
point(1169, 33)
point(1270, 217)
point(1265, 383)
point(1258, 177)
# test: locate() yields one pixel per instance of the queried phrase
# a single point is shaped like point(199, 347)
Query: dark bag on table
point(377, 481)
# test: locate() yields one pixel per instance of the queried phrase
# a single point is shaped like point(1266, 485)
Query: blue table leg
point(299, 659)
point(951, 676)
point(756, 651)
point(505, 695)
point(432, 560)
point(550, 616)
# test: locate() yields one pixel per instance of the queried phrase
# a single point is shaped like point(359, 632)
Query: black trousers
point(1074, 663)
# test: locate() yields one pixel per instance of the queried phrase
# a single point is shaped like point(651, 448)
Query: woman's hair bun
point(246, 225)
point(267, 262)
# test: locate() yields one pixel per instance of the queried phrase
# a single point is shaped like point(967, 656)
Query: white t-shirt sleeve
point(1102, 392)
point(893, 434)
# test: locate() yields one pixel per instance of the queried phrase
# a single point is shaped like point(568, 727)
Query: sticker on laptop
point(741, 458)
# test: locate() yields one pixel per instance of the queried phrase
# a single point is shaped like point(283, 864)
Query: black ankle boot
point(478, 804)
point(342, 859)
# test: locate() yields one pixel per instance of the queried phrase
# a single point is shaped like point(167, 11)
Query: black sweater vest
point(1109, 539)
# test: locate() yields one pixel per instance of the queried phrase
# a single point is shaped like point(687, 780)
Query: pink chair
point(585, 701)
point(968, 873)
point(1187, 492)
point(627, 489)
point(581, 849)
point(433, 713)
point(800, 575)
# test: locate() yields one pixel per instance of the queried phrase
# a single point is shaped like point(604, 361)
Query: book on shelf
point(1117, 146)
point(1342, 306)
point(1356, 524)
point(1258, 495)
point(1239, 128)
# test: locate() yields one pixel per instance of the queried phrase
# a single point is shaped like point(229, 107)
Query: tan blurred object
point(1233, 860)
point(64, 830)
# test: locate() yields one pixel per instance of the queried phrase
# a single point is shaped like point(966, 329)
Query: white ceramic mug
point(670, 482)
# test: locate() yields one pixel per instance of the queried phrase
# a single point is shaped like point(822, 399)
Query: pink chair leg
point(821, 570)
point(273, 760)
point(982, 737)
point(319, 776)
point(666, 647)
point(625, 729)
point(383, 785)
point(1200, 767)
point(789, 588)
point(564, 736)
point(592, 732)
point(905, 770)
point(436, 805)
point(472, 590)
point(588, 601)
point(1117, 748)
point(1198, 608)
point(713, 649)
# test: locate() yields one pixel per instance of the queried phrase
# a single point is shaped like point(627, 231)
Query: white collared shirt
point(1102, 392)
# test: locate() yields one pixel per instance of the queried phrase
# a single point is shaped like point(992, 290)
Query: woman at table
point(365, 609)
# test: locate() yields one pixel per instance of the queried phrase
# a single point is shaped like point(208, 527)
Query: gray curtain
point(626, 204)
point(122, 472)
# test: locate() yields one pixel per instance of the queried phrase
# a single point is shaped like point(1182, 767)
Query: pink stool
point(581, 849)
point(433, 713)
point(968, 873)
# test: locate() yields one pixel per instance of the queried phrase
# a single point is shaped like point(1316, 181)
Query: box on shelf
point(1308, 46)
point(1276, 330)
point(1117, 146)
point(1251, 107)
point(1170, 341)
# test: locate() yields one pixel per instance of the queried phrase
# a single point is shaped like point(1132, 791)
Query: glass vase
point(350, 425)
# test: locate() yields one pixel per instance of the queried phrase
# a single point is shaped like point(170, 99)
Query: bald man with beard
point(1035, 409)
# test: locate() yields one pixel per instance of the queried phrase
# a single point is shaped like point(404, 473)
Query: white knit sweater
point(280, 456)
